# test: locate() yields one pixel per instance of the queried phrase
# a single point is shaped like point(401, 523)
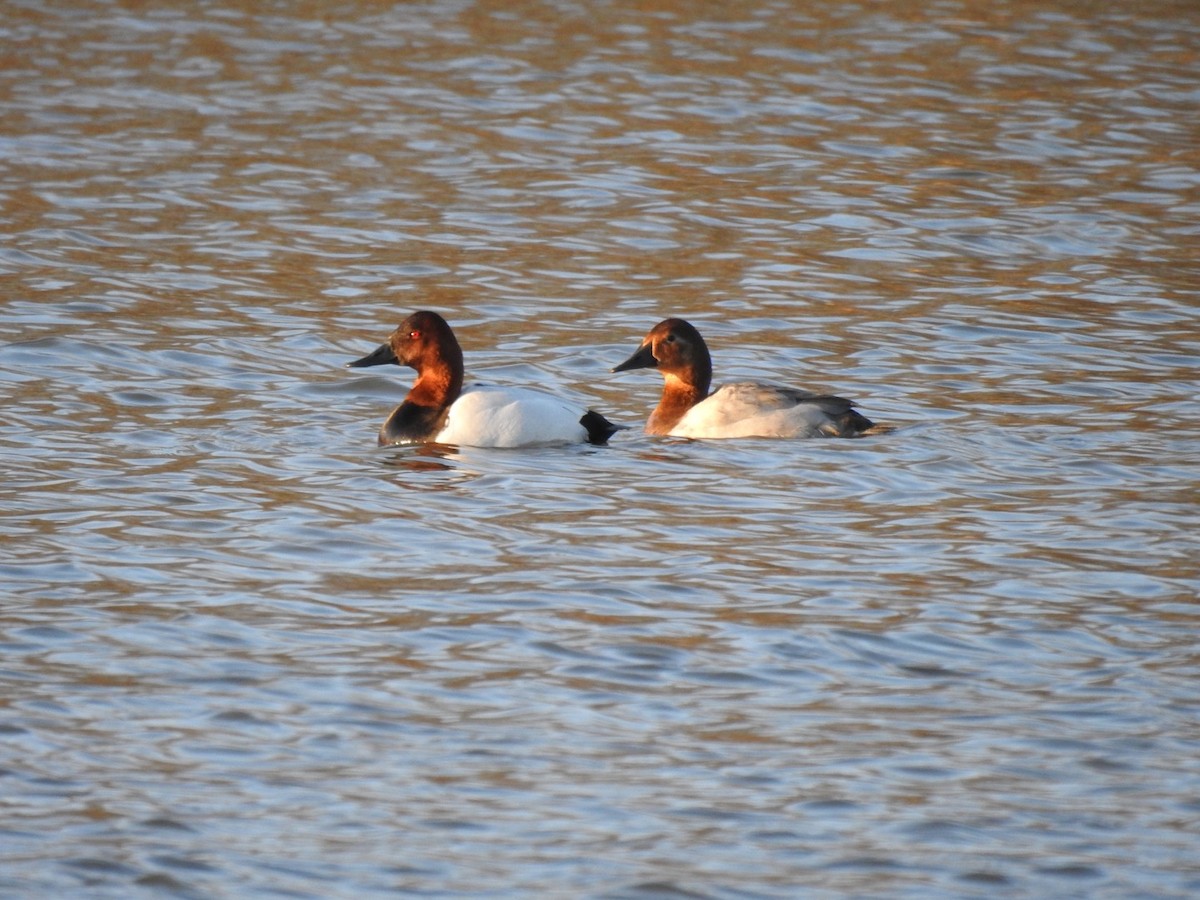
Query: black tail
point(855, 424)
point(599, 429)
point(844, 420)
point(860, 426)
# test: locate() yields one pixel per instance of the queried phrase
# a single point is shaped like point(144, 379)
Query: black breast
point(411, 422)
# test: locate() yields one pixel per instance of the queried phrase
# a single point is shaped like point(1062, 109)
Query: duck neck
point(423, 413)
point(438, 384)
point(678, 396)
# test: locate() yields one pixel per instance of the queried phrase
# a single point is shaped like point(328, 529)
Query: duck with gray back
point(742, 409)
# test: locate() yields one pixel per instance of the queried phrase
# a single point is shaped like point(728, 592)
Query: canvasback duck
point(744, 409)
point(437, 409)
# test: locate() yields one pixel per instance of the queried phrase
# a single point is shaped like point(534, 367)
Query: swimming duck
point(437, 409)
point(744, 409)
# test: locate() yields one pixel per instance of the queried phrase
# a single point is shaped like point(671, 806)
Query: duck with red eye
point(437, 409)
point(742, 409)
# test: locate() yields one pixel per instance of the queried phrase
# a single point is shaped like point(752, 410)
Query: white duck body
point(510, 417)
point(757, 409)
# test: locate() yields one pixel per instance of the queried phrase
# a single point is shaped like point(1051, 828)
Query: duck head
point(677, 350)
point(423, 341)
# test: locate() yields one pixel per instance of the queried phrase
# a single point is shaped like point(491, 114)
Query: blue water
point(245, 652)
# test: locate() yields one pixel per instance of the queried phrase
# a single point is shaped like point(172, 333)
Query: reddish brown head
point(425, 342)
point(678, 351)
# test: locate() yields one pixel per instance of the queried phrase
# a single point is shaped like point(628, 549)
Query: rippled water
point(246, 652)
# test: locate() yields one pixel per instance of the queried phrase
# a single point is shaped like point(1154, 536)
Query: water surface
point(247, 652)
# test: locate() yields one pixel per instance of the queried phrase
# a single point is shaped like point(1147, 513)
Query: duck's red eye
point(413, 335)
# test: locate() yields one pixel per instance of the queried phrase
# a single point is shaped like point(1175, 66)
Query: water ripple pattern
point(245, 652)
